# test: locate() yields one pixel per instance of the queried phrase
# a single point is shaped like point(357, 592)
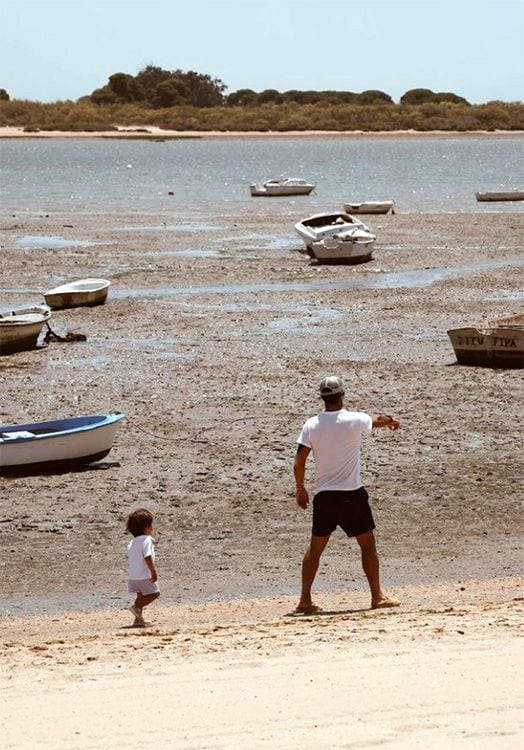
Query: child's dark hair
point(138, 521)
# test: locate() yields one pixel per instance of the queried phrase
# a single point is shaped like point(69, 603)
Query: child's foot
point(139, 618)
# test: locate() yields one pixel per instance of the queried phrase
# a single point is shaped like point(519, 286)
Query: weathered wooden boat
point(20, 328)
point(497, 344)
point(319, 226)
point(369, 207)
point(61, 443)
point(509, 195)
point(346, 248)
point(84, 292)
point(282, 186)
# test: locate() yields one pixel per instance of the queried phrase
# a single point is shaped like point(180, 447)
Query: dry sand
point(223, 373)
point(442, 671)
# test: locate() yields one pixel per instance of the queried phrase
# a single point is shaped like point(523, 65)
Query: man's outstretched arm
point(384, 420)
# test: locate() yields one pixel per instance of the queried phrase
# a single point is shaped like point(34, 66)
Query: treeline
point(85, 116)
point(179, 100)
point(157, 89)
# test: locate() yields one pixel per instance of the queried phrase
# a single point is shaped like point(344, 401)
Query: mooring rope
point(178, 439)
point(70, 336)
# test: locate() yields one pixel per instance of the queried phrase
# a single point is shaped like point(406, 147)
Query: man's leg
point(370, 564)
point(309, 569)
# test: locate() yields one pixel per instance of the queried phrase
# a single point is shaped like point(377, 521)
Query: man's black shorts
point(348, 509)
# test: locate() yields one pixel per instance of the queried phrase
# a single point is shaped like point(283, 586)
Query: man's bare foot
point(384, 602)
point(307, 609)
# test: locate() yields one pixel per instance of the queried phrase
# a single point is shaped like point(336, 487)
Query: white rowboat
point(20, 328)
point(369, 207)
point(61, 443)
point(84, 292)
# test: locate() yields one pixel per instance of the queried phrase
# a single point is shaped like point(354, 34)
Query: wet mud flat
point(213, 341)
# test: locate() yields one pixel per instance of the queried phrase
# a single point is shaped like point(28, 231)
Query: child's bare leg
point(142, 600)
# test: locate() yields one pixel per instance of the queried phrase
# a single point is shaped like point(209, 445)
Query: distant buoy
point(130, 166)
point(170, 192)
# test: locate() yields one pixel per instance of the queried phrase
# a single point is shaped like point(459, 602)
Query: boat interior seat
point(17, 435)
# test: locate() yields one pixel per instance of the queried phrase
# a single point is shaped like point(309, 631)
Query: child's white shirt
point(138, 549)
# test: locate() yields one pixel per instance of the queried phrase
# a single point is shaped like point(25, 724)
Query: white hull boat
point(349, 248)
point(369, 207)
point(282, 186)
point(511, 195)
point(319, 226)
point(496, 344)
point(20, 329)
point(61, 443)
point(84, 292)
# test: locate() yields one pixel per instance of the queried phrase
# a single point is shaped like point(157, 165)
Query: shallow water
point(163, 228)
point(375, 279)
point(379, 280)
point(39, 242)
point(212, 177)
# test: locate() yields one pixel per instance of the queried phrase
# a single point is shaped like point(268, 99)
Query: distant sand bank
point(151, 131)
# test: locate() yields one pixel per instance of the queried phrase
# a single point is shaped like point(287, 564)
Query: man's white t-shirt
point(334, 438)
point(139, 548)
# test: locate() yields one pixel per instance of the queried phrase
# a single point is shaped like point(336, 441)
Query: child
point(141, 558)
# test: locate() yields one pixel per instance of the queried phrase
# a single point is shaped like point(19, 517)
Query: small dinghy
point(61, 443)
point(369, 207)
point(84, 292)
point(509, 195)
point(20, 328)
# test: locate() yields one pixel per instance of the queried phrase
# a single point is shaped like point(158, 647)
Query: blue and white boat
point(57, 444)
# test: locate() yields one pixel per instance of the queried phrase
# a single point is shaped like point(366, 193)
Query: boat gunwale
point(105, 420)
point(70, 289)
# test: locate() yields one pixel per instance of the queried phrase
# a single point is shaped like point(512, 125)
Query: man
point(334, 436)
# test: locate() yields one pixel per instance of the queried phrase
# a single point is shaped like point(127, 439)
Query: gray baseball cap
point(331, 385)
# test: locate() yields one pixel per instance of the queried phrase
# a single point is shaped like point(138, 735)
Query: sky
point(54, 50)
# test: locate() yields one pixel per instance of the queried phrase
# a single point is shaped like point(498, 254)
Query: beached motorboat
point(369, 207)
point(20, 328)
point(282, 186)
point(509, 195)
point(499, 343)
point(84, 292)
point(319, 226)
point(354, 246)
point(60, 443)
